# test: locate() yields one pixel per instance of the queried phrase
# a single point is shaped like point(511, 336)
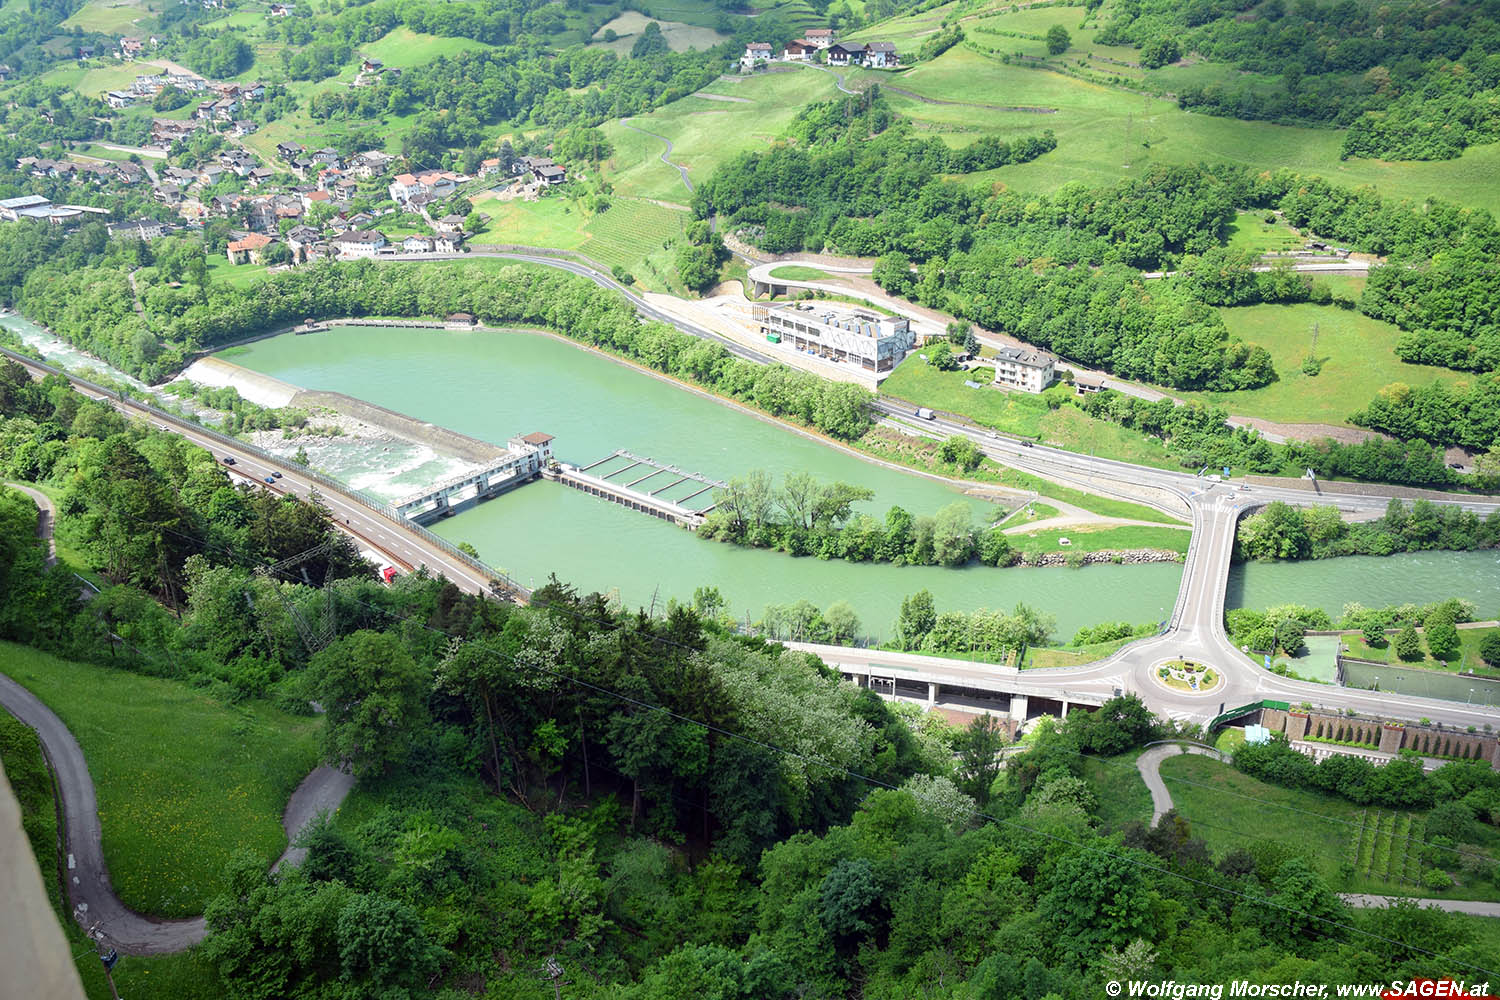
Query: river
point(492, 385)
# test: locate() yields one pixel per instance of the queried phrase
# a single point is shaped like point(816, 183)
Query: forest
point(1408, 81)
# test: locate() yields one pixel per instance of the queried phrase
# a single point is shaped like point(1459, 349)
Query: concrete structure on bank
point(1027, 370)
point(1321, 734)
point(873, 341)
point(640, 484)
point(524, 458)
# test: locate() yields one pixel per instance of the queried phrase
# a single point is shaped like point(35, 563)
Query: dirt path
point(1082, 519)
point(666, 153)
point(95, 905)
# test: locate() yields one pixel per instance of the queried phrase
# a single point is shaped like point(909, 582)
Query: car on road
point(270, 481)
point(228, 459)
point(276, 475)
point(1025, 444)
point(1244, 487)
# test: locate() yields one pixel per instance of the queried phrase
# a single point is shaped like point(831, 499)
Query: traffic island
point(1187, 676)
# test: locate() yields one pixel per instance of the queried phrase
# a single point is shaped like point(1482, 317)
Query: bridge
point(523, 460)
point(644, 485)
point(1194, 630)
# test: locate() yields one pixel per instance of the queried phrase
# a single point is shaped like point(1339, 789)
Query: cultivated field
point(679, 35)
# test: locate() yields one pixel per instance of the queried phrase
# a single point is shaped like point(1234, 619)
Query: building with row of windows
point(874, 342)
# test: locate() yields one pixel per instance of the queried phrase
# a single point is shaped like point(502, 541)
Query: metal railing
point(503, 580)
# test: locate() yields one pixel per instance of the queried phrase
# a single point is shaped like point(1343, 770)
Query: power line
point(809, 758)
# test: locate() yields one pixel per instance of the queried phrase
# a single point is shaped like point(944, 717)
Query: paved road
point(46, 517)
point(666, 153)
point(93, 898)
point(1474, 906)
point(1149, 764)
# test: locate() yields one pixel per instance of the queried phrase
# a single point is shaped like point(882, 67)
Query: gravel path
point(95, 905)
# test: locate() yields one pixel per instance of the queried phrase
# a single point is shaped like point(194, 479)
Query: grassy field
point(183, 977)
point(918, 453)
point(1021, 414)
point(403, 47)
point(1123, 796)
point(1071, 656)
point(680, 35)
point(1251, 231)
point(1229, 809)
point(1088, 538)
point(706, 132)
point(235, 275)
point(631, 233)
point(1468, 657)
point(1358, 356)
point(799, 272)
point(114, 17)
point(1107, 133)
point(182, 780)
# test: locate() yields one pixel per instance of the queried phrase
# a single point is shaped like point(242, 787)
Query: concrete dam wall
point(272, 392)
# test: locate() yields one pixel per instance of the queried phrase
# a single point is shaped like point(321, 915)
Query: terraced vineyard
point(1388, 847)
point(630, 231)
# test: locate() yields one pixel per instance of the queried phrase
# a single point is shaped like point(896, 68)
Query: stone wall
point(1388, 737)
point(1128, 557)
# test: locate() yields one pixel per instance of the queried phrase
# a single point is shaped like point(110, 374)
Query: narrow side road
point(90, 892)
point(46, 519)
point(666, 153)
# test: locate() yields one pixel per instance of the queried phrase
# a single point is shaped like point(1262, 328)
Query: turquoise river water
point(493, 385)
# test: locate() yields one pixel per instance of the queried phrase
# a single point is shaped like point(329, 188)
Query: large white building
point(1019, 368)
point(872, 341)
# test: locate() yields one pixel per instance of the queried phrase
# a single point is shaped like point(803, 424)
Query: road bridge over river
point(1194, 631)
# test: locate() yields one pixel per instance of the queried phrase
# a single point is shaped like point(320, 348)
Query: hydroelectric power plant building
point(523, 460)
point(874, 342)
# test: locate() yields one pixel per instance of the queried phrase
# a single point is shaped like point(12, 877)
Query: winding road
point(666, 153)
point(46, 517)
point(95, 905)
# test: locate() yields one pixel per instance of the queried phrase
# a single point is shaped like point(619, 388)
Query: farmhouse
point(798, 50)
point(358, 243)
point(845, 53)
point(249, 248)
point(882, 55)
point(820, 38)
point(1021, 368)
point(756, 52)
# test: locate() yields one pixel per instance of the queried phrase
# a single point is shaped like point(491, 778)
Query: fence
point(498, 579)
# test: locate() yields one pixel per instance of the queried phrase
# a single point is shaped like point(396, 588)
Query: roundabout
point(1189, 677)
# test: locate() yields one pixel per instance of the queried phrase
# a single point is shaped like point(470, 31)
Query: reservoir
point(492, 385)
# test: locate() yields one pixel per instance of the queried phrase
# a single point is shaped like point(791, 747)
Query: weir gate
point(642, 484)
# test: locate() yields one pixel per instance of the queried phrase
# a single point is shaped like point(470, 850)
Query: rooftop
point(1025, 358)
point(536, 437)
